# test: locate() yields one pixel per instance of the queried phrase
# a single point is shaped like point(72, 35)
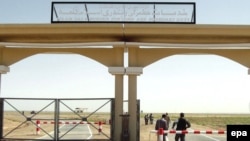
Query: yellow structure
point(106, 43)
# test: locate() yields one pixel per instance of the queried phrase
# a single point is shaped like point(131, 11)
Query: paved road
point(82, 131)
point(195, 137)
point(201, 137)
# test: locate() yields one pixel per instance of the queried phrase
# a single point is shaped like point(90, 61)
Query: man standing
point(167, 120)
point(161, 123)
point(151, 118)
point(146, 119)
point(182, 124)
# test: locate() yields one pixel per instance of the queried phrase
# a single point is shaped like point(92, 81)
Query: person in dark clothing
point(146, 119)
point(182, 124)
point(151, 118)
point(168, 120)
point(161, 123)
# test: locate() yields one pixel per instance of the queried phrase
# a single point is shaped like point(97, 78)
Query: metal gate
point(56, 119)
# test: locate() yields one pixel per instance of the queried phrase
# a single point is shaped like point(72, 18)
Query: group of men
point(150, 118)
point(164, 122)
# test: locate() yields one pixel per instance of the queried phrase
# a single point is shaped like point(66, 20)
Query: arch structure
point(107, 43)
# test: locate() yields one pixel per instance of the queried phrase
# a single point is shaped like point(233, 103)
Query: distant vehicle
point(32, 112)
point(80, 110)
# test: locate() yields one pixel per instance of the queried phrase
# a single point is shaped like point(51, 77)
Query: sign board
point(122, 12)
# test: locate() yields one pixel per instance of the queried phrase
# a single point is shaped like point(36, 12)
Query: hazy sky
point(180, 83)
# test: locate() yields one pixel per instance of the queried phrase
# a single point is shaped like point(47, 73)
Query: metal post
point(1, 117)
point(56, 120)
point(138, 121)
point(112, 120)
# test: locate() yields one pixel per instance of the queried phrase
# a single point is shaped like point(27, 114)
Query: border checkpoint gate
point(122, 36)
point(47, 121)
point(192, 39)
point(51, 113)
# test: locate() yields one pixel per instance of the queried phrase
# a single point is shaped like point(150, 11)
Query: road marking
point(90, 132)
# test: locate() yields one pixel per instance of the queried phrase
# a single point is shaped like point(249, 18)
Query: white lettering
point(233, 133)
point(239, 133)
point(244, 133)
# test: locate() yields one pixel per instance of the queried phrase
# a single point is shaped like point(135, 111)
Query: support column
point(119, 73)
point(3, 70)
point(132, 73)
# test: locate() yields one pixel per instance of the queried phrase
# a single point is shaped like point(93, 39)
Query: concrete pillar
point(132, 73)
point(119, 74)
point(3, 70)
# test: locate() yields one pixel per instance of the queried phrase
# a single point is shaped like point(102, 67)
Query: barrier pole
point(38, 127)
point(100, 127)
point(192, 131)
point(160, 134)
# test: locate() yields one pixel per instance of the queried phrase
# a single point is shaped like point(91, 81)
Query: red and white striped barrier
point(192, 131)
point(198, 132)
point(67, 122)
point(100, 127)
point(160, 134)
point(38, 127)
point(38, 124)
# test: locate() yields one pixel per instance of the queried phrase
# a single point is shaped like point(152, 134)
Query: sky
point(179, 83)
